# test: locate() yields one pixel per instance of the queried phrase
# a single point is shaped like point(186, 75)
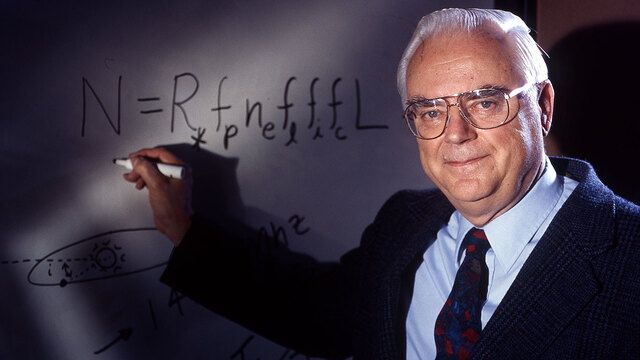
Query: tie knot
point(476, 243)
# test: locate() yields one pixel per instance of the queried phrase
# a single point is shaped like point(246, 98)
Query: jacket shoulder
point(404, 214)
point(627, 220)
point(413, 203)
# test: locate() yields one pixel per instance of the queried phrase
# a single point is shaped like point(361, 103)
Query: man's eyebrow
point(420, 98)
point(494, 86)
point(415, 99)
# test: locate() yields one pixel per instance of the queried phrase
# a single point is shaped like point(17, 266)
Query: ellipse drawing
point(103, 256)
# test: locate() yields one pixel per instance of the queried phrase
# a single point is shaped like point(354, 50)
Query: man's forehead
point(454, 63)
point(453, 45)
point(453, 60)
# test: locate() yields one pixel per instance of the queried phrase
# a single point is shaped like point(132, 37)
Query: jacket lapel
point(556, 281)
point(429, 216)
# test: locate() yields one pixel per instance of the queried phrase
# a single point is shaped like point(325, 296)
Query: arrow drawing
point(123, 334)
point(67, 270)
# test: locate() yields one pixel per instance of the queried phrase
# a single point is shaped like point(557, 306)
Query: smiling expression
point(483, 173)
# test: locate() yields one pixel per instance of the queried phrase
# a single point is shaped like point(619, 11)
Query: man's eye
point(431, 114)
point(486, 104)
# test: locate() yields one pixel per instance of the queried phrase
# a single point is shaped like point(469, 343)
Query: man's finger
point(148, 172)
point(159, 153)
point(131, 176)
point(140, 184)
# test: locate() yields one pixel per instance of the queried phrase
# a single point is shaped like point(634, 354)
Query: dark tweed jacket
point(577, 296)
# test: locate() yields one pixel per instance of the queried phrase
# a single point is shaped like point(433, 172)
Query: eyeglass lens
point(485, 109)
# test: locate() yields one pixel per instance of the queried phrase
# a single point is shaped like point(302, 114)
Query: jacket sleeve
point(287, 297)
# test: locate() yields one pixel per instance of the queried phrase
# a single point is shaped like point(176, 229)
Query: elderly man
point(514, 256)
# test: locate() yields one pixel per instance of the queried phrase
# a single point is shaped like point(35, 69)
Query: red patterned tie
point(459, 324)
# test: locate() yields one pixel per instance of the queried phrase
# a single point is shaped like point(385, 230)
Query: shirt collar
point(510, 232)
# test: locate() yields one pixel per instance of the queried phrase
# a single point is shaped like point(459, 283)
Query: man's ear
point(545, 101)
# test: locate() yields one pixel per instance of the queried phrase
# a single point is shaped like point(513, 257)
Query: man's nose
point(458, 129)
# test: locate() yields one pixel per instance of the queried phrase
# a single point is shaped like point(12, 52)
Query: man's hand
point(170, 198)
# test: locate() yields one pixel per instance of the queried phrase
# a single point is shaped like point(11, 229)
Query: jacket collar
point(557, 280)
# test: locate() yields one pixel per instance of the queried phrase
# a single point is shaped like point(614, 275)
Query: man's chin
point(467, 194)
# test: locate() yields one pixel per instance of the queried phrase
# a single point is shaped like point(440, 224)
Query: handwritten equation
point(287, 129)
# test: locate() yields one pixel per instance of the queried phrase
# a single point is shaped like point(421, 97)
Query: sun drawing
point(106, 257)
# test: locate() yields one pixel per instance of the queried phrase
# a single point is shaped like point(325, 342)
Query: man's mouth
point(464, 161)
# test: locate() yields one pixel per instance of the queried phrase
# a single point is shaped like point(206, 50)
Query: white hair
point(528, 53)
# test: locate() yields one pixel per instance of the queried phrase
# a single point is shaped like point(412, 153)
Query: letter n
point(85, 85)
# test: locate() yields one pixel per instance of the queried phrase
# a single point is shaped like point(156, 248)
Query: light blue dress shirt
point(513, 236)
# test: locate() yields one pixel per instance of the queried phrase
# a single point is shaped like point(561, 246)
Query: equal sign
point(152, 110)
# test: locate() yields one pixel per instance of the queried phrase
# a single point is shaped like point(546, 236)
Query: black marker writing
point(146, 100)
point(359, 126)
point(286, 104)
point(220, 107)
point(186, 87)
point(174, 299)
point(312, 102)
point(240, 352)
point(179, 104)
point(85, 85)
point(198, 139)
point(278, 236)
point(334, 103)
point(101, 257)
point(250, 110)
point(292, 355)
point(296, 224)
point(123, 334)
point(153, 315)
point(292, 134)
point(275, 236)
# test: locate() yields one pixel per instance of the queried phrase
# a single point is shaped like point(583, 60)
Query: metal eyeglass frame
point(512, 93)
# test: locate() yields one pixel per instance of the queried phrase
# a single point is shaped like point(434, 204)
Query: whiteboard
point(287, 110)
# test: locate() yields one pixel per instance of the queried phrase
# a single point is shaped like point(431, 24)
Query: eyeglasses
point(483, 108)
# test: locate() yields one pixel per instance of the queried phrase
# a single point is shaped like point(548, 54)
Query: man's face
point(482, 172)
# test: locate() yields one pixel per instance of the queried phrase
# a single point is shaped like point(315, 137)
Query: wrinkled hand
point(170, 198)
